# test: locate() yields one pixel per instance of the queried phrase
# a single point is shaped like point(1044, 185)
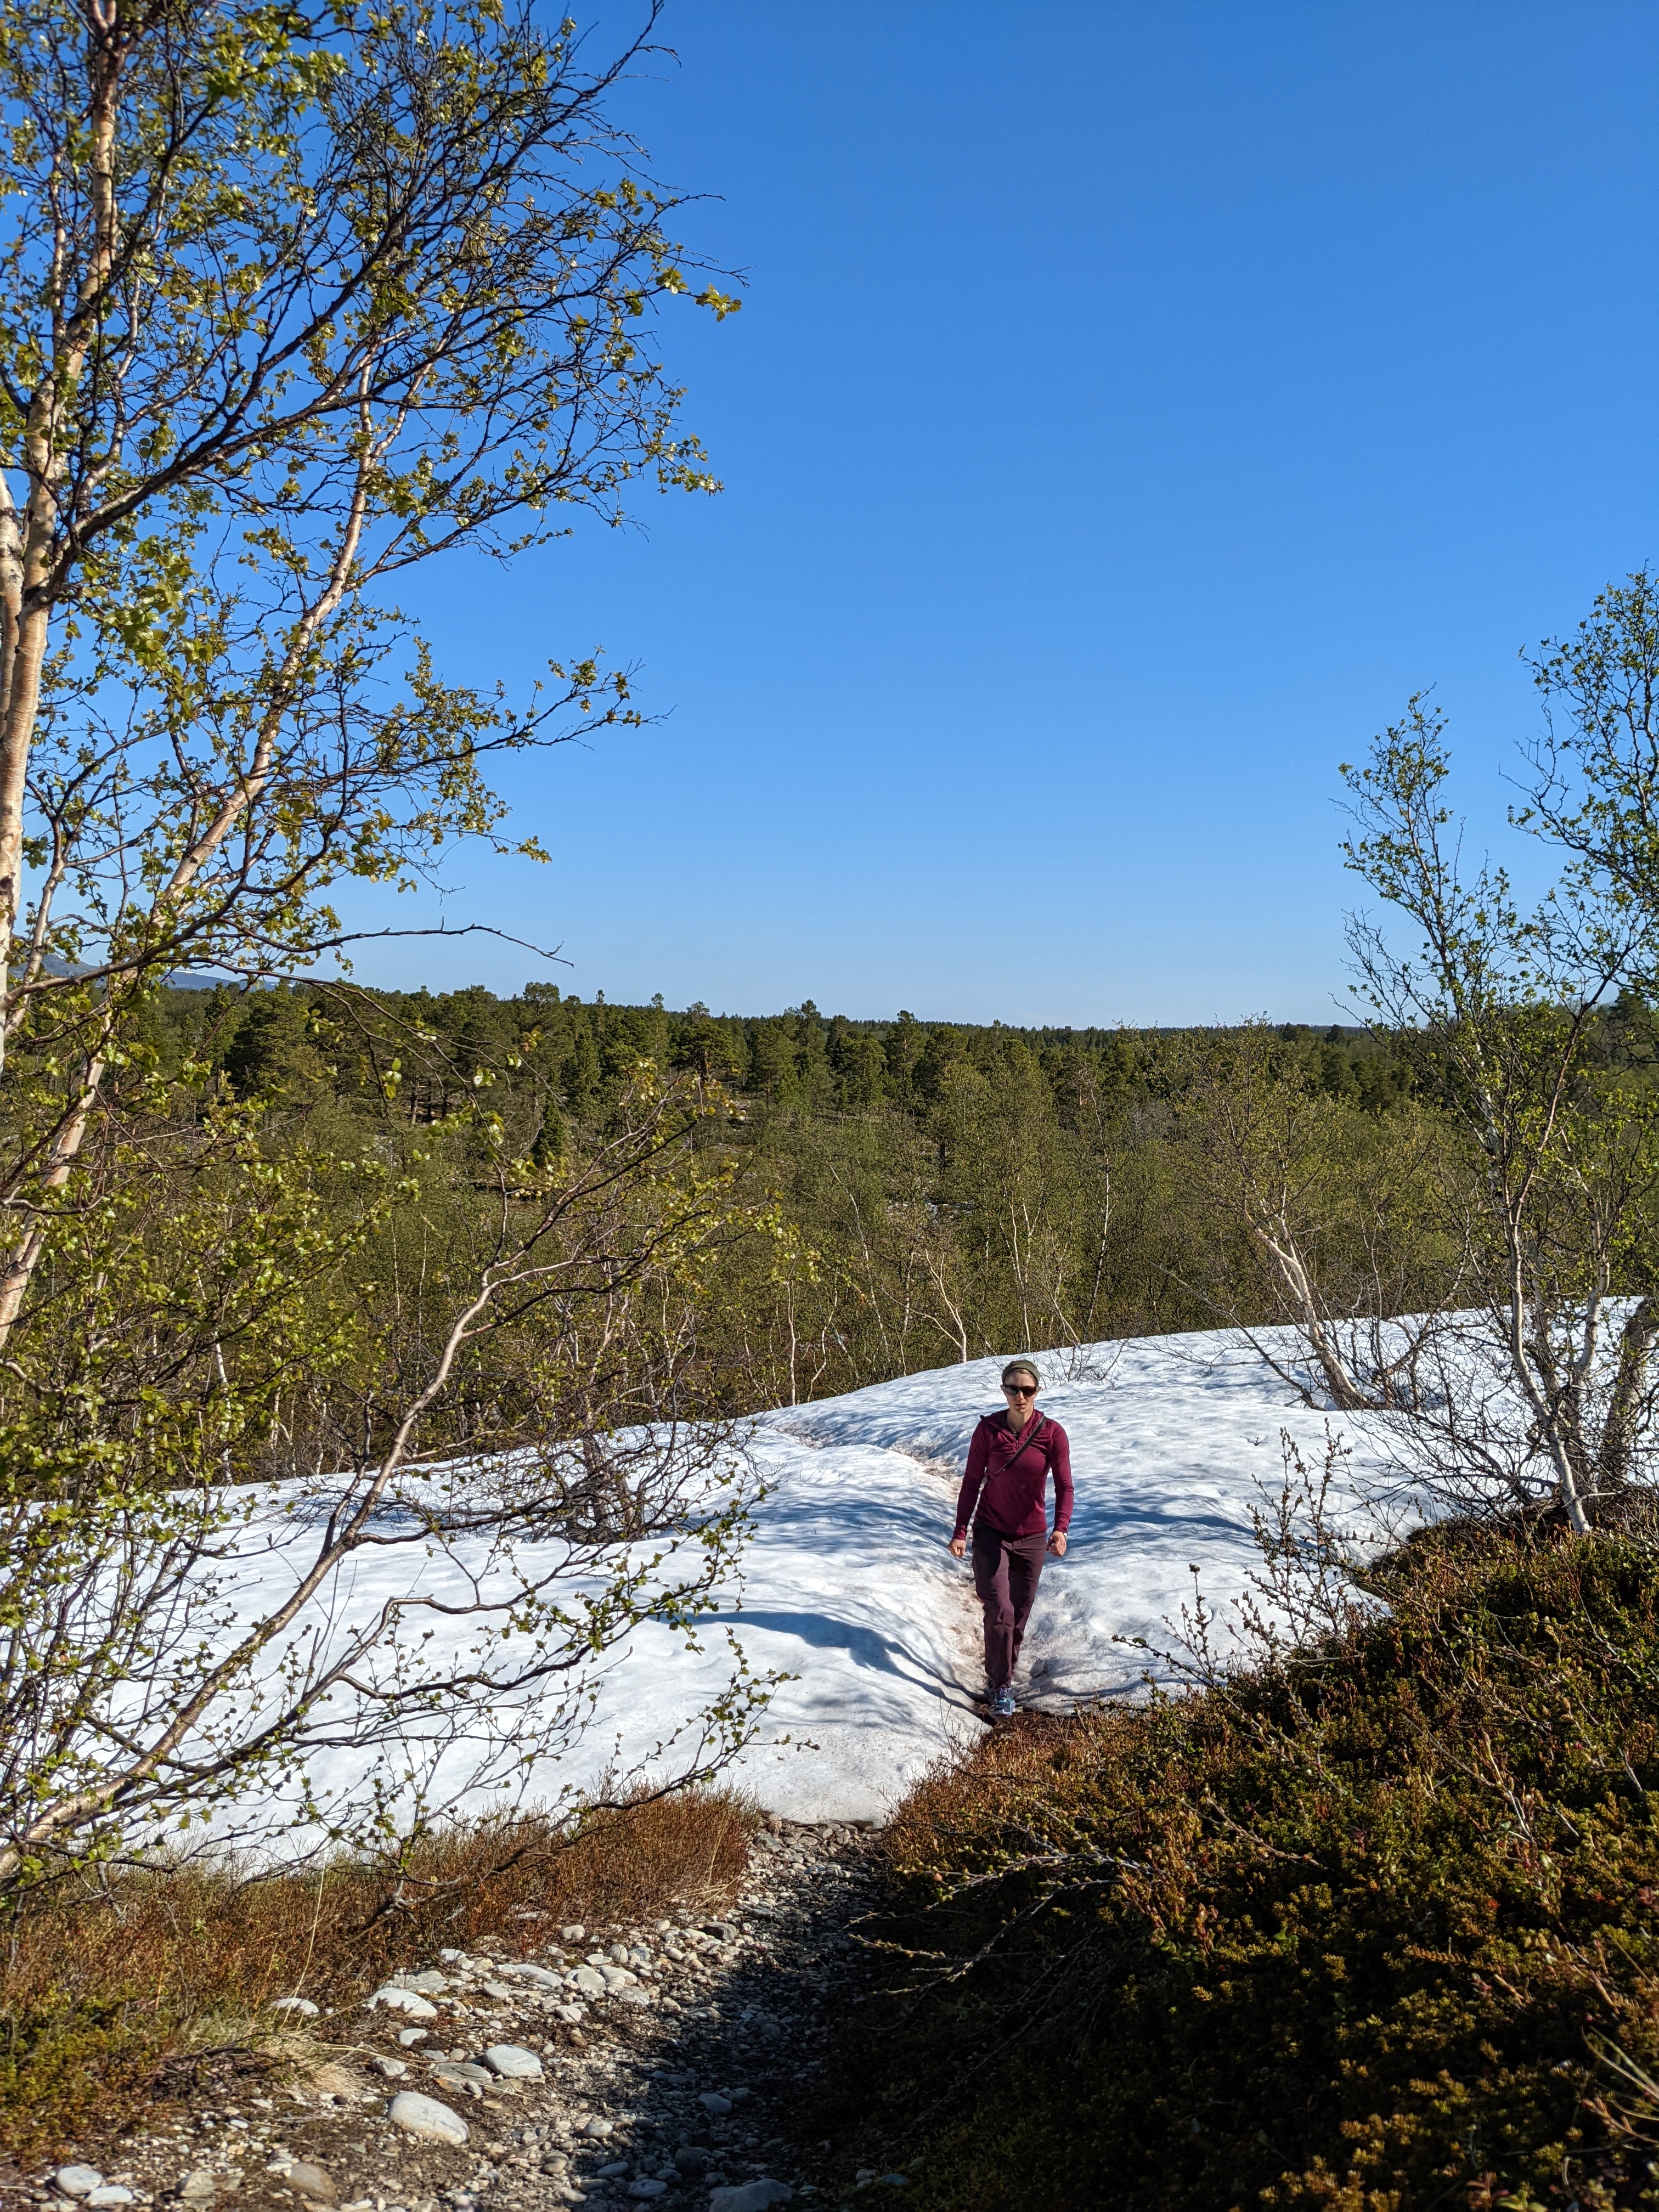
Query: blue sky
point(1132, 405)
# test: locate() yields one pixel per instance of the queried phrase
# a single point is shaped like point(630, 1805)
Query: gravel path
point(685, 2080)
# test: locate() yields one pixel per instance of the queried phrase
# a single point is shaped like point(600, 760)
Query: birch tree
point(1550, 1399)
point(296, 301)
point(1310, 1211)
point(185, 1653)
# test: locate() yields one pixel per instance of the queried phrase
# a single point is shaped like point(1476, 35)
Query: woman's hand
point(1057, 1543)
point(958, 1545)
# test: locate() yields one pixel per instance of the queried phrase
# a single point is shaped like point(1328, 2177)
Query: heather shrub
point(1371, 1927)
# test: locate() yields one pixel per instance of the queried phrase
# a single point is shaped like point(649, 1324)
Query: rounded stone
point(312, 2181)
point(426, 2118)
point(461, 2073)
point(512, 2062)
point(538, 1976)
point(78, 2180)
point(395, 1998)
point(301, 2006)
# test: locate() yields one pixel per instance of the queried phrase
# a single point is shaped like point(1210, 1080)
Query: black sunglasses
point(1021, 1389)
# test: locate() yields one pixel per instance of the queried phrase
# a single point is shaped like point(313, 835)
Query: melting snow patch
point(848, 1587)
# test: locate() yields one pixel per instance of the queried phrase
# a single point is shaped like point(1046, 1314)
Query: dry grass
point(105, 1985)
point(1058, 1758)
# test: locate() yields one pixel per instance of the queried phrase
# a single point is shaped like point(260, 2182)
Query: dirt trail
point(688, 2081)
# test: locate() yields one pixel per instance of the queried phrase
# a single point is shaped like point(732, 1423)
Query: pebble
point(78, 2180)
point(425, 2116)
point(714, 2105)
point(391, 2067)
point(109, 2192)
point(399, 1999)
point(750, 2197)
point(645, 2188)
point(495, 1989)
point(411, 2036)
point(302, 2006)
point(598, 2130)
point(312, 2181)
point(584, 1978)
point(575, 1933)
point(198, 2188)
point(463, 2070)
point(572, 2015)
point(512, 2062)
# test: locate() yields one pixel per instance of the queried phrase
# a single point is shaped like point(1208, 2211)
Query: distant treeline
point(915, 1192)
point(289, 1038)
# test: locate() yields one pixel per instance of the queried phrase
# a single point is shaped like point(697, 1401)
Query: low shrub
point(1369, 1929)
point(105, 1985)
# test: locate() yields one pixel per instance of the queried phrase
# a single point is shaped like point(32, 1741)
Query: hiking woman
point(1009, 1462)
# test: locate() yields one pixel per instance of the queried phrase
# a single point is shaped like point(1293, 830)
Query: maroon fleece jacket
point(1008, 1475)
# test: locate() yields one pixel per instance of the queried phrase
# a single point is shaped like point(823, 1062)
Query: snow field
point(848, 1589)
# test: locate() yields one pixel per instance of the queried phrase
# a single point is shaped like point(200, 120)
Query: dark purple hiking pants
point(1006, 1573)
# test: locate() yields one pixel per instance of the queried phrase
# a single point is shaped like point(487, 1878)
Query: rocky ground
point(599, 2066)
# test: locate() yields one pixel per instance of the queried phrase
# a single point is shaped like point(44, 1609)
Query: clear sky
point(1132, 403)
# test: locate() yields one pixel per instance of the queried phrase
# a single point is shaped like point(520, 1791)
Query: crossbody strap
point(1038, 1436)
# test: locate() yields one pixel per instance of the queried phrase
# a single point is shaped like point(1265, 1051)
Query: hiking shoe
point(1002, 1704)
